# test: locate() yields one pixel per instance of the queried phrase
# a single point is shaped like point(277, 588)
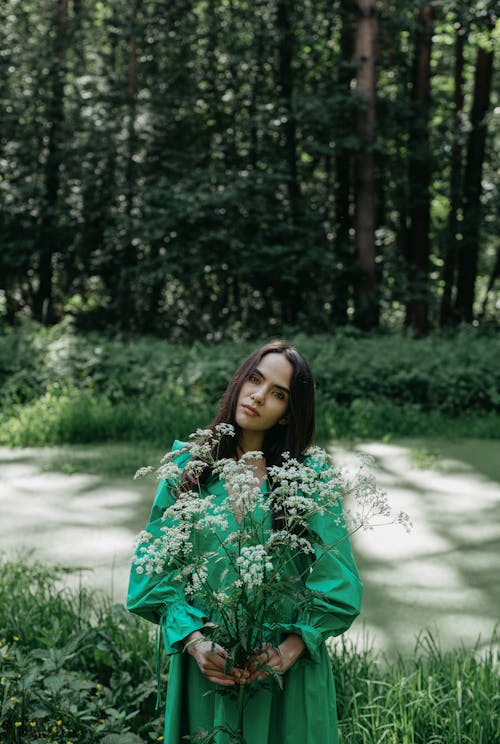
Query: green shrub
point(72, 666)
point(78, 416)
point(57, 386)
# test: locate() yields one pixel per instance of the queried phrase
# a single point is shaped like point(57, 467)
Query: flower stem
point(241, 706)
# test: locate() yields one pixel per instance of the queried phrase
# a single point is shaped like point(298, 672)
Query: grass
point(74, 668)
point(432, 697)
point(123, 459)
point(108, 459)
point(82, 417)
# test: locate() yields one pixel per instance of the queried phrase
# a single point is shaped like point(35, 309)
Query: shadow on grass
point(74, 505)
point(443, 575)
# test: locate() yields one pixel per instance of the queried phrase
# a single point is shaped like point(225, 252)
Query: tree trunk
point(365, 202)
point(450, 259)
point(129, 310)
point(290, 295)
point(254, 127)
point(285, 86)
point(213, 78)
point(419, 173)
point(343, 164)
point(49, 239)
point(469, 246)
point(495, 274)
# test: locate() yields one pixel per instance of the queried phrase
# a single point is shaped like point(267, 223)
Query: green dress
point(304, 711)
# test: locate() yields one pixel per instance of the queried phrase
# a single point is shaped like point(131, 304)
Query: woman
point(270, 403)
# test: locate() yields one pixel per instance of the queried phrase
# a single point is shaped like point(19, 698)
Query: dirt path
point(444, 575)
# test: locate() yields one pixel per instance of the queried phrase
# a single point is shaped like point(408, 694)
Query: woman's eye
point(279, 395)
point(253, 378)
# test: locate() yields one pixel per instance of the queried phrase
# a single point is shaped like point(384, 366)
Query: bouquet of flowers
point(244, 557)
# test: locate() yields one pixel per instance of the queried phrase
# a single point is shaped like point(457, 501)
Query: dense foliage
point(58, 386)
point(72, 667)
point(75, 669)
point(198, 169)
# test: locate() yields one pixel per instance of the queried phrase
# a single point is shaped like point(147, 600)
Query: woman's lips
point(250, 410)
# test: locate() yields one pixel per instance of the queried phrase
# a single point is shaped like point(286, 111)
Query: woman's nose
point(258, 396)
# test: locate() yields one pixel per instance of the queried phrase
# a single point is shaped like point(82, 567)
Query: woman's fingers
point(267, 658)
point(267, 655)
point(240, 675)
point(212, 660)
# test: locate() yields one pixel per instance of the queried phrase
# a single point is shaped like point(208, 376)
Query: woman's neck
point(250, 441)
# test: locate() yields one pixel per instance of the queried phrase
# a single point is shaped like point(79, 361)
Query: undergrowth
point(75, 668)
point(58, 386)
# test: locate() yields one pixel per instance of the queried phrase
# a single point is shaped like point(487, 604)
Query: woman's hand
point(280, 659)
point(211, 660)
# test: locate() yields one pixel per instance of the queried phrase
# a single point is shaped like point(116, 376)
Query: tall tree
point(49, 239)
point(343, 167)
point(127, 301)
point(286, 93)
point(450, 257)
point(472, 189)
point(365, 198)
point(419, 176)
point(285, 77)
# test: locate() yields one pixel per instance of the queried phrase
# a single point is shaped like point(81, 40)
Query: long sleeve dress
point(304, 711)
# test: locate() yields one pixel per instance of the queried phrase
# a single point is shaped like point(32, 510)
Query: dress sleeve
point(334, 580)
point(158, 598)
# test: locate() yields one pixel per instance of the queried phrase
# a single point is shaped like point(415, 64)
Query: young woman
point(270, 403)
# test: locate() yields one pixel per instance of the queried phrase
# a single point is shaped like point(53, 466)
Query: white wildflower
point(143, 471)
point(196, 467)
point(202, 451)
point(168, 471)
point(172, 454)
point(251, 455)
point(143, 537)
point(220, 597)
point(188, 506)
point(253, 562)
point(198, 579)
point(212, 523)
point(201, 434)
point(242, 484)
point(290, 540)
point(318, 455)
point(225, 430)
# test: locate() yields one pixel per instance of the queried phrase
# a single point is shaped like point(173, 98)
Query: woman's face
point(265, 395)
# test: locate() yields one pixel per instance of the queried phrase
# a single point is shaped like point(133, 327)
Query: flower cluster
point(242, 574)
point(253, 563)
point(242, 483)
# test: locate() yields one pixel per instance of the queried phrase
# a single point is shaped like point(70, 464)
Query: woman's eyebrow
point(281, 387)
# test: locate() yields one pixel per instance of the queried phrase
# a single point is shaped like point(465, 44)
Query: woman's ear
point(284, 421)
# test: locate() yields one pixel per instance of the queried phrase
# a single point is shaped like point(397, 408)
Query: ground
point(442, 576)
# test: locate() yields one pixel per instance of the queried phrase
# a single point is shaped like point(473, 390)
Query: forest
point(226, 169)
point(182, 178)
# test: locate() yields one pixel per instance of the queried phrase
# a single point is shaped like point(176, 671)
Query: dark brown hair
point(294, 436)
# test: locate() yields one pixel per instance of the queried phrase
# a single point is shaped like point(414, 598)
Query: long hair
point(295, 435)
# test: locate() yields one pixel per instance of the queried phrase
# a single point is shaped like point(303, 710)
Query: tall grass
point(432, 697)
point(74, 416)
point(74, 668)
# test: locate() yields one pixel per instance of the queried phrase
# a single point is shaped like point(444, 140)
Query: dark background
point(237, 169)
